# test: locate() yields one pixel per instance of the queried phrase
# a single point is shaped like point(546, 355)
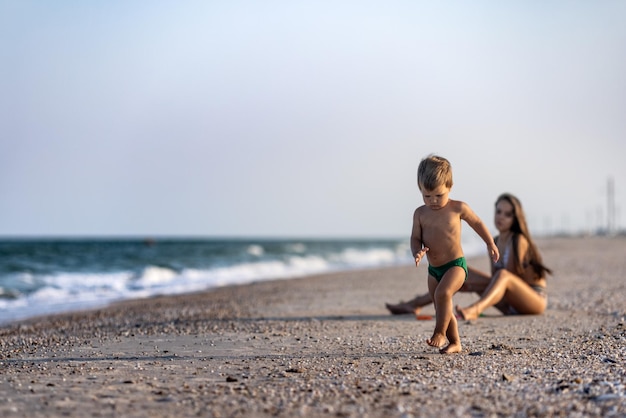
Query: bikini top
point(503, 261)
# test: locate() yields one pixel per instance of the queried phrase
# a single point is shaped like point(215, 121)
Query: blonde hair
point(434, 171)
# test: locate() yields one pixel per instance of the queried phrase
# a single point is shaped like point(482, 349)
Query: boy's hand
point(493, 252)
point(420, 254)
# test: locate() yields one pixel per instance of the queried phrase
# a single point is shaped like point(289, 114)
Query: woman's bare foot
point(467, 313)
point(437, 340)
point(402, 308)
point(451, 348)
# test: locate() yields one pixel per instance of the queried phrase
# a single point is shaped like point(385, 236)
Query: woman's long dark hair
point(520, 227)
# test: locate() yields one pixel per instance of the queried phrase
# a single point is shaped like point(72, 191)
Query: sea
point(47, 276)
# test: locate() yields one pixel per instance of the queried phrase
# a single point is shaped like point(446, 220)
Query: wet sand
point(326, 346)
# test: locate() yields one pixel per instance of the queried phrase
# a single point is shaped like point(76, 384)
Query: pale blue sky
point(288, 118)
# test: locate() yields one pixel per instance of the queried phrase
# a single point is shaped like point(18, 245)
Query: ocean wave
point(66, 291)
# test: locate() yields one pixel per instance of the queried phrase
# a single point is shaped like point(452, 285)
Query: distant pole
point(610, 211)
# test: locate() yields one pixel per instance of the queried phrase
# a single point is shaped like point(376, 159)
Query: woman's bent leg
point(510, 288)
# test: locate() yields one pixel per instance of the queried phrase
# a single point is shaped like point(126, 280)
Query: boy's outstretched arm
point(481, 229)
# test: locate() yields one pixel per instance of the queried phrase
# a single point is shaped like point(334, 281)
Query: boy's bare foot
point(451, 348)
point(467, 313)
point(402, 308)
point(437, 340)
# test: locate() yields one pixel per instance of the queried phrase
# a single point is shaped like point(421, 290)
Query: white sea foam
point(256, 250)
point(153, 276)
point(367, 258)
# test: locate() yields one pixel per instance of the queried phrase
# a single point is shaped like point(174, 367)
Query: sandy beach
point(326, 346)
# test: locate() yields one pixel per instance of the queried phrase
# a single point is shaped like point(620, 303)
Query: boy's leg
point(438, 339)
point(454, 339)
point(442, 293)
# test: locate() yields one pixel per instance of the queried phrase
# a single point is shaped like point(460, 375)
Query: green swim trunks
point(438, 272)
